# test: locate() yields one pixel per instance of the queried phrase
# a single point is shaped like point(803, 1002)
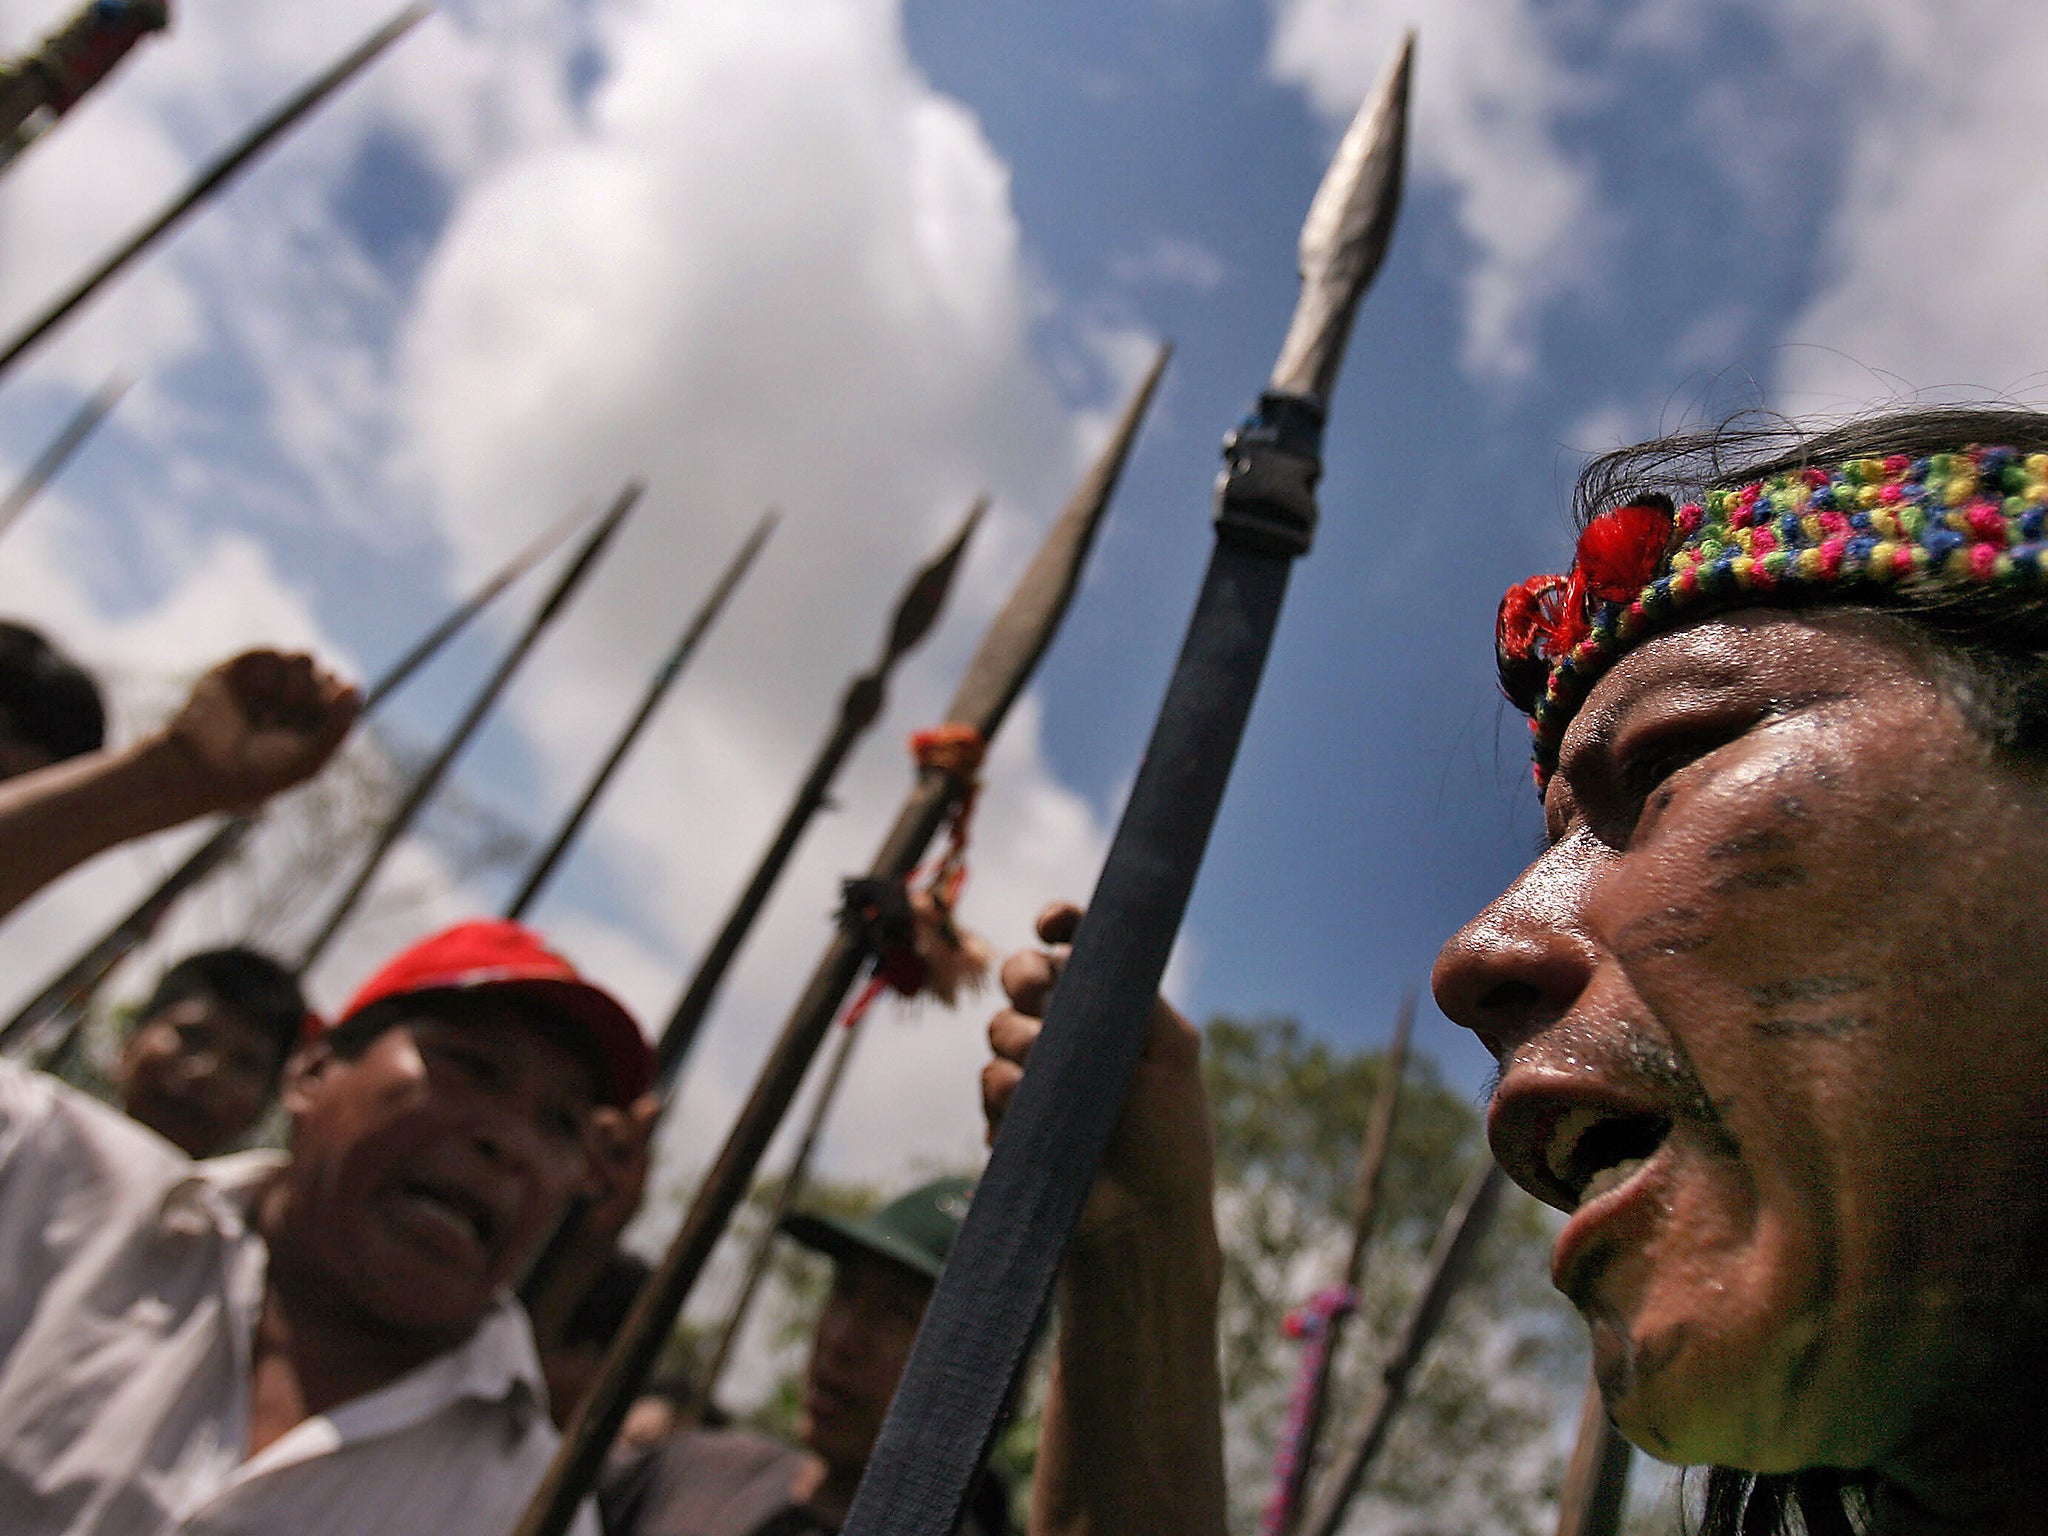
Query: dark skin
point(858, 1353)
point(199, 1074)
point(1787, 920)
point(425, 1173)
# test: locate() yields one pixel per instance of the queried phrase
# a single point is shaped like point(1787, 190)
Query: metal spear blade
point(1345, 236)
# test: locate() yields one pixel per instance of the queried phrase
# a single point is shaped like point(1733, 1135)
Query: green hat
point(913, 1230)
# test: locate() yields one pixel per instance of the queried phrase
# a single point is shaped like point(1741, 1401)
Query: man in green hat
point(732, 1483)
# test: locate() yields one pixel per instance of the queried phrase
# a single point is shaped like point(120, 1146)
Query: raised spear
point(74, 986)
point(657, 688)
point(977, 1332)
point(429, 778)
point(37, 90)
point(1327, 1321)
point(1596, 1480)
point(258, 139)
point(52, 460)
point(555, 1284)
point(1450, 1259)
point(916, 612)
point(997, 674)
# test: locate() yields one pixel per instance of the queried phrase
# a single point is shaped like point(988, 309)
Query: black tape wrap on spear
point(68, 993)
point(997, 674)
point(977, 1330)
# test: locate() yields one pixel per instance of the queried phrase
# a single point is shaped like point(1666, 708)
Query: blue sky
point(860, 260)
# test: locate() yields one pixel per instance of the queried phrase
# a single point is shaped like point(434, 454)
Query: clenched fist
point(258, 723)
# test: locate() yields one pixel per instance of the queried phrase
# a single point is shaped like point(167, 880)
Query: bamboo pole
point(51, 461)
point(1596, 1480)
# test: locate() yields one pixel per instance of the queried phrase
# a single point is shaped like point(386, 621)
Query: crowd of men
point(1767, 1007)
point(200, 1337)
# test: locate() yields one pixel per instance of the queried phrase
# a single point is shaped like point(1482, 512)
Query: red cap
point(497, 953)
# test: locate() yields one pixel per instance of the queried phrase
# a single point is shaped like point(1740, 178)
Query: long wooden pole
point(429, 778)
point(859, 707)
point(51, 461)
point(67, 994)
point(1285, 1513)
point(1596, 1480)
point(258, 139)
point(1450, 1260)
point(665, 676)
point(997, 674)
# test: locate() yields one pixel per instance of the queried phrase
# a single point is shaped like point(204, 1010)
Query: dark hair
point(1987, 645)
point(48, 699)
point(242, 981)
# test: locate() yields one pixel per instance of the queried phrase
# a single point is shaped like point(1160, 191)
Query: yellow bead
point(1881, 559)
point(1809, 563)
point(1742, 565)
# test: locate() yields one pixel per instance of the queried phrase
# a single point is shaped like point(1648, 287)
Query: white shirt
point(130, 1284)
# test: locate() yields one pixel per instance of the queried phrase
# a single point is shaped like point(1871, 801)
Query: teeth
point(450, 1212)
point(1564, 1140)
point(1611, 1177)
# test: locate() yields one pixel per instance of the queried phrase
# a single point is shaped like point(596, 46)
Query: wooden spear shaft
point(1596, 1480)
point(859, 707)
point(259, 138)
point(429, 778)
point(73, 987)
point(664, 678)
point(1365, 1203)
point(793, 1184)
point(997, 674)
point(50, 463)
point(1450, 1260)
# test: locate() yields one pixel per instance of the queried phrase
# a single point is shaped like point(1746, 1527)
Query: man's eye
point(1649, 765)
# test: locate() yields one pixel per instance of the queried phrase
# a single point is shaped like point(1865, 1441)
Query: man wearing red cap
point(322, 1341)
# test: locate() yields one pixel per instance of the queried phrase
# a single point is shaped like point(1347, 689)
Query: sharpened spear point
point(1344, 238)
point(926, 594)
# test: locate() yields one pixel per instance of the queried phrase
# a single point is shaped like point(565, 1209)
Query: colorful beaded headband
point(1974, 517)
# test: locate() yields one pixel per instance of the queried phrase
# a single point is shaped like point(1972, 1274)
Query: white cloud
point(764, 263)
point(1488, 98)
point(1171, 261)
point(1936, 252)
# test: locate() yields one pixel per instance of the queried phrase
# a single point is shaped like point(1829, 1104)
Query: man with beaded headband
point(1768, 1007)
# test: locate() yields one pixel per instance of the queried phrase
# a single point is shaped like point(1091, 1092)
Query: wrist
point(164, 782)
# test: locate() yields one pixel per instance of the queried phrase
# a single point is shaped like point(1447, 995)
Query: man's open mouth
point(1591, 1150)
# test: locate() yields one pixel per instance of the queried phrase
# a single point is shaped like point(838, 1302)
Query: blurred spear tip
point(1345, 236)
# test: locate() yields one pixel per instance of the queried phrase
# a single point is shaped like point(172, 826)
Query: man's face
point(199, 1075)
point(1770, 1023)
point(429, 1169)
point(862, 1344)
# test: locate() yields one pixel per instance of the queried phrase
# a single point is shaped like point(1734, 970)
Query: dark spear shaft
point(998, 1277)
point(1450, 1259)
point(76, 983)
point(792, 1189)
point(429, 778)
point(257, 140)
point(552, 1290)
point(53, 458)
point(544, 867)
point(1365, 1204)
point(995, 677)
point(1596, 1481)
point(916, 612)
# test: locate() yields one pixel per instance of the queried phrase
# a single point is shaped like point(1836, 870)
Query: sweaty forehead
point(521, 1031)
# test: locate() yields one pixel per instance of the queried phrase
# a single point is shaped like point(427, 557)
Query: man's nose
point(1521, 964)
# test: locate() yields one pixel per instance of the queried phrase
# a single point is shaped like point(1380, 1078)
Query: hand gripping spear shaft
point(429, 778)
point(258, 139)
point(996, 675)
point(686, 645)
point(989, 1300)
point(74, 986)
point(859, 707)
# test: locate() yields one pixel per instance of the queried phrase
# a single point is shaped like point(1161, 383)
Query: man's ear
point(305, 1074)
